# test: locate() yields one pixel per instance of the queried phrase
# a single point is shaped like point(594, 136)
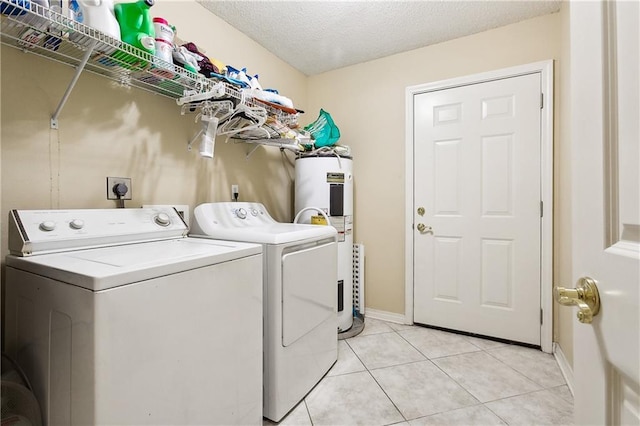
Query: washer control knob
point(162, 219)
point(48, 225)
point(254, 212)
point(77, 224)
point(241, 213)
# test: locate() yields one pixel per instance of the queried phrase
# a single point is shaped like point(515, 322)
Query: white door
point(606, 207)
point(477, 208)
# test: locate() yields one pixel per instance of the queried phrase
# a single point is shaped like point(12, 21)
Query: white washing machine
point(300, 274)
point(118, 318)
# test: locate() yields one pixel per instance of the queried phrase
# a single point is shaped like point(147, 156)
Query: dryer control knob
point(77, 224)
point(48, 225)
point(254, 212)
point(241, 213)
point(162, 219)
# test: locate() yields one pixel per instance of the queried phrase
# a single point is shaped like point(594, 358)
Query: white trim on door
point(545, 68)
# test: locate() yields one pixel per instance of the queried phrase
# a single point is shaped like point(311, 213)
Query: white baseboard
point(565, 368)
point(384, 316)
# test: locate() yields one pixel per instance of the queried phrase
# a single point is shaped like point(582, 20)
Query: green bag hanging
point(324, 131)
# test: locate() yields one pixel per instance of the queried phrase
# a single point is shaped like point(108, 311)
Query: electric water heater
point(325, 181)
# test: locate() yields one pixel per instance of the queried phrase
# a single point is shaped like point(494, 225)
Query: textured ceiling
point(318, 36)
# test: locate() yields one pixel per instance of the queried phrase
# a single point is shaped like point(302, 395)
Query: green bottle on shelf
point(136, 28)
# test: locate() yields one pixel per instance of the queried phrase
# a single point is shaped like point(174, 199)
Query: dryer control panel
point(250, 222)
point(235, 214)
point(46, 231)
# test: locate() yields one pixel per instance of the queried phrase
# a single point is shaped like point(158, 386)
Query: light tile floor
point(410, 375)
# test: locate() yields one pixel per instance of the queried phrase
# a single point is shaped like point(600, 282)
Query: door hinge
point(541, 316)
point(541, 208)
point(541, 100)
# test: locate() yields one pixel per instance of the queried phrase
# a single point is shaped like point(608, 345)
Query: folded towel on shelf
point(269, 97)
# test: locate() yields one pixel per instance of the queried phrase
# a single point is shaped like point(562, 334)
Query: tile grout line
point(455, 381)
point(447, 374)
point(415, 362)
point(307, 407)
point(389, 398)
point(438, 367)
point(520, 373)
point(374, 379)
point(431, 360)
point(487, 351)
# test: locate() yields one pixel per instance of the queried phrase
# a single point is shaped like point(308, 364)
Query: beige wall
point(562, 274)
point(111, 131)
point(367, 101)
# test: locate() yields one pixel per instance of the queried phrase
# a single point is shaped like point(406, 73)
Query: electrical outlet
point(111, 188)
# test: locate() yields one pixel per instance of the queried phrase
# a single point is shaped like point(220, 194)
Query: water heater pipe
point(306, 209)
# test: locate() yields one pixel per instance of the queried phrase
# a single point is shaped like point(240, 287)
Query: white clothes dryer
point(117, 317)
point(300, 276)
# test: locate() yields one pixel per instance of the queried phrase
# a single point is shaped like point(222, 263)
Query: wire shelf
point(42, 31)
point(45, 32)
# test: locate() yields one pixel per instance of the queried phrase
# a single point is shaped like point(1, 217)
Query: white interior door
point(606, 207)
point(477, 208)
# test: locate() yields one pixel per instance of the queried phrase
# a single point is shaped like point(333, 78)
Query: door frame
point(545, 68)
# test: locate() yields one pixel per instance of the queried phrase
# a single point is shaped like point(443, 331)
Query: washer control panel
point(40, 231)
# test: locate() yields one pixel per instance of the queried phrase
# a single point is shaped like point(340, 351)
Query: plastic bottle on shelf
point(164, 39)
point(136, 27)
point(100, 15)
point(75, 11)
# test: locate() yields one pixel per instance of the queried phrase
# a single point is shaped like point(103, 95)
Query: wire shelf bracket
point(72, 84)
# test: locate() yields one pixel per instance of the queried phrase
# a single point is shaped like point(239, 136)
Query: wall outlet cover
point(112, 182)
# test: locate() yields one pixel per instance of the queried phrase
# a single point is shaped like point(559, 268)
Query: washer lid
point(103, 268)
point(250, 222)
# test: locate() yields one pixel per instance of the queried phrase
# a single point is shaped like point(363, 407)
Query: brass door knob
point(585, 296)
point(424, 228)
